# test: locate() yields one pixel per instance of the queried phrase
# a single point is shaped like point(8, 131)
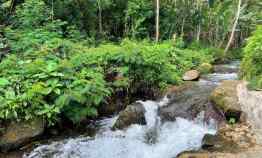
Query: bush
point(61, 77)
point(251, 68)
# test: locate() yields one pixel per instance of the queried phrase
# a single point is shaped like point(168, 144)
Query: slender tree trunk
point(182, 27)
point(12, 6)
point(157, 20)
point(199, 23)
point(234, 27)
point(52, 16)
point(198, 32)
point(217, 32)
point(100, 17)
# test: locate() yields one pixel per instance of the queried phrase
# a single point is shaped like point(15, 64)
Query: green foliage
point(232, 121)
point(53, 71)
point(32, 13)
point(138, 14)
point(58, 77)
point(47, 86)
point(251, 68)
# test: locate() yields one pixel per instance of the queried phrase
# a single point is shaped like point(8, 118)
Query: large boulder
point(225, 97)
point(192, 75)
point(251, 104)
point(133, 114)
point(20, 133)
point(187, 101)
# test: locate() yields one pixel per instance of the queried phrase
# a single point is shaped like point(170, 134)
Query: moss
point(205, 68)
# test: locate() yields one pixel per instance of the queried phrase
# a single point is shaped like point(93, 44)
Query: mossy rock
point(225, 97)
point(205, 68)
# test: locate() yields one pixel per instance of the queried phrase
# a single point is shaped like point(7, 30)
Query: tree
point(234, 26)
point(157, 20)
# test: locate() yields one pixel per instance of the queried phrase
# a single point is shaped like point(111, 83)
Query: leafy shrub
point(61, 77)
point(47, 87)
point(251, 68)
point(32, 13)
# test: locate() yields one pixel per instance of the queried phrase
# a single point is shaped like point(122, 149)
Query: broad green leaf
point(3, 82)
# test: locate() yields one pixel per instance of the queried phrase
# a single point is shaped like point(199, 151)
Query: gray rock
point(133, 114)
point(187, 101)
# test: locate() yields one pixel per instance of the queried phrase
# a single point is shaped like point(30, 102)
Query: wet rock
point(231, 141)
point(192, 75)
point(187, 101)
point(19, 133)
point(133, 114)
point(205, 68)
point(217, 143)
point(251, 153)
point(225, 97)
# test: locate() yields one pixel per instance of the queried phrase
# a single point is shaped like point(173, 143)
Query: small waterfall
point(154, 140)
point(152, 120)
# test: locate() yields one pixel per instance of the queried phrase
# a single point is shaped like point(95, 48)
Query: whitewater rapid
point(169, 139)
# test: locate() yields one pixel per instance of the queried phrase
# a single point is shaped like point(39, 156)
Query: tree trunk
point(199, 22)
point(52, 16)
point(182, 27)
point(12, 6)
point(100, 17)
point(198, 32)
point(157, 20)
point(234, 27)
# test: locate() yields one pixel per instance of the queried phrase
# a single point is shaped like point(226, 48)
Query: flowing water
point(150, 141)
point(153, 140)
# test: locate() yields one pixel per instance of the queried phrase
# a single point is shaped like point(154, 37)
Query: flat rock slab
point(191, 75)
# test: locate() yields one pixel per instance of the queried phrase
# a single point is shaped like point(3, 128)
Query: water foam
point(172, 139)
